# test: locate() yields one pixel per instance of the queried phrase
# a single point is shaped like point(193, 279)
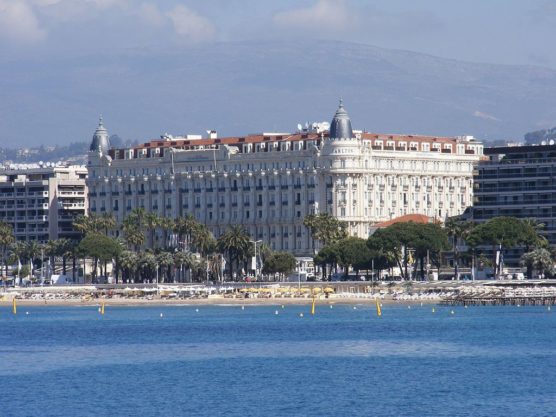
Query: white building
point(41, 202)
point(269, 182)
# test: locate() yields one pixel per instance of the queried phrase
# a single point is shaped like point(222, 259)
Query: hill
point(264, 86)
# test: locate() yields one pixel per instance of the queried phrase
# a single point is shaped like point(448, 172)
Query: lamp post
point(254, 242)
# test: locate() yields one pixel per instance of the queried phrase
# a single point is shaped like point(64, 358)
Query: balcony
point(259, 188)
point(246, 188)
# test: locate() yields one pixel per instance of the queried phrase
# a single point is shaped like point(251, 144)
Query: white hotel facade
point(269, 182)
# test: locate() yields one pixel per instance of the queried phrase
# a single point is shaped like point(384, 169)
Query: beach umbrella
point(329, 289)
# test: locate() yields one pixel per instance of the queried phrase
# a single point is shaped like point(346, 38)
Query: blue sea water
point(225, 361)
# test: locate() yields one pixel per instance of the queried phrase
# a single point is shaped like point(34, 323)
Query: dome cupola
point(340, 128)
point(101, 142)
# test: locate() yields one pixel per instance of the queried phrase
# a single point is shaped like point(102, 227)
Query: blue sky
point(48, 33)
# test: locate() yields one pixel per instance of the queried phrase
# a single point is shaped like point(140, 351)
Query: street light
point(254, 242)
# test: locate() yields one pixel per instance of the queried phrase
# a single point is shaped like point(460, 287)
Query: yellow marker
point(378, 309)
point(102, 308)
point(14, 306)
point(313, 306)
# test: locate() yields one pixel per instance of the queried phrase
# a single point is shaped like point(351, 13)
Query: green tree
point(325, 228)
point(282, 263)
point(151, 223)
point(457, 230)
point(128, 262)
point(164, 261)
point(100, 248)
point(184, 261)
point(502, 233)
point(327, 256)
point(540, 260)
point(354, 252)
point(235, 244)
point(7, 238)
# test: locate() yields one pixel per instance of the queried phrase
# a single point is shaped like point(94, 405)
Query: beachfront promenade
point(539, 292)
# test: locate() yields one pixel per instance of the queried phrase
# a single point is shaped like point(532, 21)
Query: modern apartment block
point(41, 202)
point(518, 181)
point(269, 182)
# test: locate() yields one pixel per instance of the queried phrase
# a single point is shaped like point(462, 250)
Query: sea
point(224, 360)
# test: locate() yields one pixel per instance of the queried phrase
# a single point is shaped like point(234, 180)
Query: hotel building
point(269, 182)
point(40, 203)
point(517, 181)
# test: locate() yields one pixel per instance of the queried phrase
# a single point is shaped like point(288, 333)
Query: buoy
point(433, 310)
point(282, 305)
point(276, 312)
point(519, 305)
point(26, 313)
point(300, 314)
point(197, 310)
point(452, 312)
point(161, 315)
point(243, 307)
point(421, 304)
point(548, 308)
point(465, 306)
point(331, 306)
point(355, 307)
point(409, 307)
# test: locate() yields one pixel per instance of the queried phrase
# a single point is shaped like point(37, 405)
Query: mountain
point(240, 88)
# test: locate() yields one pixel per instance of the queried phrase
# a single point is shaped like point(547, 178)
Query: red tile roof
point(415, 218)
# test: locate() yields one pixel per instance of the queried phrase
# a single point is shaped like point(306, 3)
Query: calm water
point(224, 361)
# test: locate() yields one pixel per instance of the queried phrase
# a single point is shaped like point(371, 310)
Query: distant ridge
point(239, 88)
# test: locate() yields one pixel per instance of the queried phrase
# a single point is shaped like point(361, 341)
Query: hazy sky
point(51, 31)
point(500, 31)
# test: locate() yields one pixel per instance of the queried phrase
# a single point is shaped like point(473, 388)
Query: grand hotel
point(269, 182)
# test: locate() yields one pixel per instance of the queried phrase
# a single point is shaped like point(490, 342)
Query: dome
point(100, 142)
point(340, 128)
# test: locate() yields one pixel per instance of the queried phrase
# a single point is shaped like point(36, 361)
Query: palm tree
point(18, 253)
point(183, 259)
point(107, 222)
point(164, 261)
point(235, 243)
point(167, 225)
point(540, 260)
point(184, 227)
point(128, 262)
point(202, 240)
point(147, 265)
point(32, 252)
point(152, 221)
point(6, 239)
point(134, 236)
point(457, 229)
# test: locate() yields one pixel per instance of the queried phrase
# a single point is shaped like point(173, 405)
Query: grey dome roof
point(340, 128)
point(100, 142)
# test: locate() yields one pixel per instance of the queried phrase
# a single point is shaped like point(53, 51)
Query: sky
point(52, 31)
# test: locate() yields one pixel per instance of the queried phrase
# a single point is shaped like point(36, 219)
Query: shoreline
point(211, 302)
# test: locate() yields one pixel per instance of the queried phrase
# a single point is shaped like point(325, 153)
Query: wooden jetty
point(504, 296)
